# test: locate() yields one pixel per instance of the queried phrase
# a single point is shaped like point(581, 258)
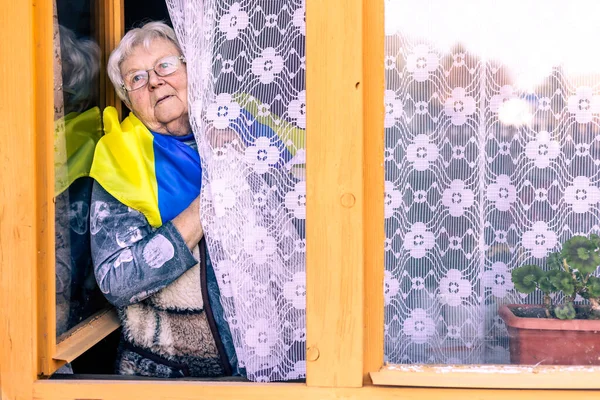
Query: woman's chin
point(163, 114)
point(176, 125)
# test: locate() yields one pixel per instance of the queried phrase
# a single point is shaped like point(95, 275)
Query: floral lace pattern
point(482, 175)
point(246, 65)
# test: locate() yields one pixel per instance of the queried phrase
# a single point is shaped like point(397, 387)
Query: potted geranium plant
point(560, 333)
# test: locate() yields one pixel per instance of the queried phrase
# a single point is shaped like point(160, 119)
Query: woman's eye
point(165, 65)
point(137, 78)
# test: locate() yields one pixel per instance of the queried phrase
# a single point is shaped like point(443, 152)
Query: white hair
point(144, 36)
point(80, 70)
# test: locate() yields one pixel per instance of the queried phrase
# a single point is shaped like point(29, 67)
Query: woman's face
point(162, 104)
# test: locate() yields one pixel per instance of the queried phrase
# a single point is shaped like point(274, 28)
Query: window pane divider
point(335, 203)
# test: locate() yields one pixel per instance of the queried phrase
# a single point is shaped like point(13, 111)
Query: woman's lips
point(162, 99)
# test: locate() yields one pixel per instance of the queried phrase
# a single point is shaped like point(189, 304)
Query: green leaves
point(545, 283)
point(554, 281)
point(595, 239)
point(580, 253)
point(565, 311)
point(593, 287)
point(555, 260)
point(570, 271)
point(564, 281)
point(526, 278)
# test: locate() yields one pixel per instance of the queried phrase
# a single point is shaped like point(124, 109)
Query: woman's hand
point(222, 138)
point(188, 224)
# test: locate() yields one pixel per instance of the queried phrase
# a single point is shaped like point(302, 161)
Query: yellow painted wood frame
point(335, 193)
point(345, 306)
point(26, 111)
point(71, 390)
point(489, 376)
point(86, 334)
point(110, 26)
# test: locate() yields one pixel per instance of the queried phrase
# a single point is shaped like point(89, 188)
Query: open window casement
point(345, 61)
point(73, 313)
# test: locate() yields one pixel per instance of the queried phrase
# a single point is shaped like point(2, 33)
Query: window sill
point(489, 376)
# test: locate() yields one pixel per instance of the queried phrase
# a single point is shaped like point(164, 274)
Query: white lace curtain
point(246, 65)
point(492, 150)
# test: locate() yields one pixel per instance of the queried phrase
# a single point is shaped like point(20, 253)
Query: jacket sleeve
point(131, 259)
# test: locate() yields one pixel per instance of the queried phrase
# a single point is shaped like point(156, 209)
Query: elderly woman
point(149, 255)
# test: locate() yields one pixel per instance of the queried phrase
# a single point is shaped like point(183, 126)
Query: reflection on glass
point(77, 129)
point(491, 163)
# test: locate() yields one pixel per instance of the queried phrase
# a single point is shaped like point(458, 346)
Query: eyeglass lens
point(139, 79)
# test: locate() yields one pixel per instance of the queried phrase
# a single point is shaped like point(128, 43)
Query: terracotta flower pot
point(551, 341)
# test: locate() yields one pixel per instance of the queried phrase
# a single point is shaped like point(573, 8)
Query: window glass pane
point(77, 129)
point(491, 164)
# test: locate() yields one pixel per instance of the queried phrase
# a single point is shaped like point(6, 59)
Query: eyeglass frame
point(180, 58)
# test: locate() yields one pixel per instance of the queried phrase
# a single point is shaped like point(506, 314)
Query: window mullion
point(335, 200)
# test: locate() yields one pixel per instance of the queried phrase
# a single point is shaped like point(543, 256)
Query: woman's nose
point(154, 80)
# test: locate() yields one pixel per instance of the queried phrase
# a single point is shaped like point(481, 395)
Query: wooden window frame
point(109, 16)
point(108, 21)
point(344, 211)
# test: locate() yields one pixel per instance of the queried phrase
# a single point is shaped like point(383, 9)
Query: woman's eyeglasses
point(138, 79)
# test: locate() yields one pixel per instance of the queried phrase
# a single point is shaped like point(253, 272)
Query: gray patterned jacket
point(167, 297)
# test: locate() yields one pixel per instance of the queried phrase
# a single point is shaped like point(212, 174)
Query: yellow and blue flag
point(287, 134)
point(158, 175)
point(74, 152)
